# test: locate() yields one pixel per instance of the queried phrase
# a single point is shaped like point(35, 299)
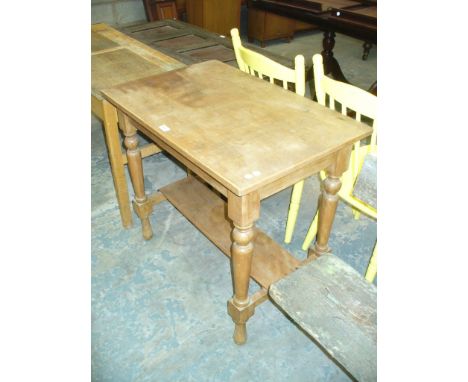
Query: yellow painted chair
point(362, 103)
point(258, 65)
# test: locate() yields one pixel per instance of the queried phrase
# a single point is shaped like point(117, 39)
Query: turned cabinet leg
point(367, 47)
point(328, 43)
point(330, 64)
point(329, 202)
point(243, 211)
point(141, 204)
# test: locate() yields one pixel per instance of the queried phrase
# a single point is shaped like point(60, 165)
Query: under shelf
point(208, 212)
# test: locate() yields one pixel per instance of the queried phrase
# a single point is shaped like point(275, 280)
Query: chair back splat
point(265, 68)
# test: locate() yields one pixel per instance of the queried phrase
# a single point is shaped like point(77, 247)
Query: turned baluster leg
point(329, 201)
point(367, 47)
point(328, 44)
point(141, 205)
point(330, 64)
point(243, 211)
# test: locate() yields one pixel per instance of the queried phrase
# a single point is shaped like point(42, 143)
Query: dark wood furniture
point(190, 44)
point(264, 26)
point(160, 9)
point(218, 16)
point(355, 18)
point(226, 127)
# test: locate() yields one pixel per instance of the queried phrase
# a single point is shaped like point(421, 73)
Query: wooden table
point(115, 59)
point(355, 18)
point(243, 139)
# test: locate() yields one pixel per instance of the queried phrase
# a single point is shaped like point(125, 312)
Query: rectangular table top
point(117, 58)
point(241, 130)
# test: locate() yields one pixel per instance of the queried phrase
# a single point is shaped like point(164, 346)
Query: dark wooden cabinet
point(160, 9)
point(218, 16)
point(264, 26)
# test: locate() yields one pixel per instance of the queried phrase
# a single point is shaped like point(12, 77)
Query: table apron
point(264, 191)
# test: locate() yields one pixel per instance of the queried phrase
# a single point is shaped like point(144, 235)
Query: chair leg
point(372, 268)
point(356, 214)
point(293, 210)
point(311, 233)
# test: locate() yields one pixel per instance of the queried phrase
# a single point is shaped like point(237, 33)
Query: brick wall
point(117, 12)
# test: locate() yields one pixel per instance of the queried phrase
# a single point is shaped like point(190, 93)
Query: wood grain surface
point(117, 58)
point(207, 211)
point(338, 308)
point(244, 132)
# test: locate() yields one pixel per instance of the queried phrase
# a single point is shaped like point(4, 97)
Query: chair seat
point(365, 188)
point(338, 308)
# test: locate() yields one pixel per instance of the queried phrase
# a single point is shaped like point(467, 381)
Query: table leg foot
point(240, 316)
point(144, 210)
point(240, 334)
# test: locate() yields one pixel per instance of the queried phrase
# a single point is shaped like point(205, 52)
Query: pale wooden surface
point(208, 212)
point(117, 58)
point(243, 131)
point(336, 307)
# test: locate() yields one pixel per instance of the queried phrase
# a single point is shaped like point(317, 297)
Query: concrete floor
point(159, 306)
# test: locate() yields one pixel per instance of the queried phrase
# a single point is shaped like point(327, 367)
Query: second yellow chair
point(363, 104)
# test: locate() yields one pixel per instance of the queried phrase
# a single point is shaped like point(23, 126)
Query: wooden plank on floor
point(216, 52)
point(207, 211)
point(185, 42)
point(337, 307)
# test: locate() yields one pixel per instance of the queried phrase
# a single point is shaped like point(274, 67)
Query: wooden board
point(147, 34)
point(244, 132)
point(336, 307)
point(365, 188)
point(217, 52)
point(182, 42)
point(364, 17)
point(99, 42)
point(317, 6)
point(119, 66)
point(348, 17)
point(117, 58)
point(187, 43)
point(207, 211)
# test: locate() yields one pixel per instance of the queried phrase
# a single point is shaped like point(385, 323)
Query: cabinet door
point(166, 10)
point(218, 16)
point(278, 26)
point(160, 9)
point(264, 26)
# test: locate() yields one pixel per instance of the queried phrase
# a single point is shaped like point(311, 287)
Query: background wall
point(117, 12)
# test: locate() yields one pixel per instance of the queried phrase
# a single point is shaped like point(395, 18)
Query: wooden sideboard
point(218, 16)
point(264, 26)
